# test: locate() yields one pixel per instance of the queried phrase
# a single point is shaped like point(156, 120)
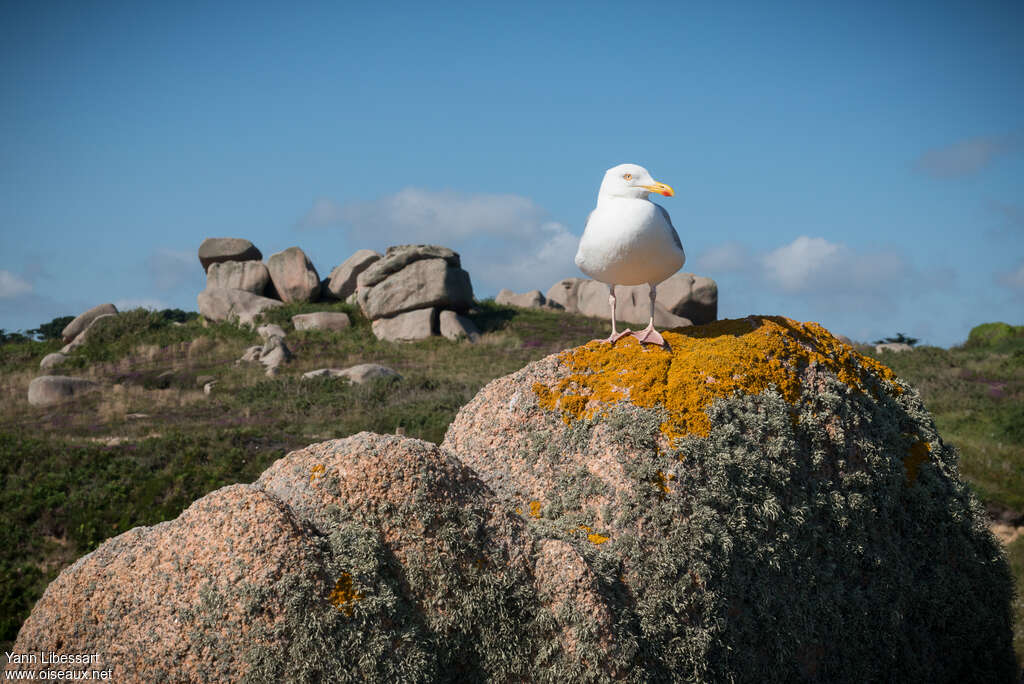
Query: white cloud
point(323, 214)
point(504, 240)
point(725, 258)
point(140, 303)
point(1013, 279)
point(12, 286)
point(964, 157)
point(813, 265)
point(172, 270)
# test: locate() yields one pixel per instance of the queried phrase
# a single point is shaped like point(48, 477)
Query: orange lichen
point(917, 453)
point(343, 595)
point(535, 509)
point(592, 536)
point(317, 471)
point(704, 362)
point(662, 481)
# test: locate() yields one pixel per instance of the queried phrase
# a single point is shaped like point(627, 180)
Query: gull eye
point(627, 176)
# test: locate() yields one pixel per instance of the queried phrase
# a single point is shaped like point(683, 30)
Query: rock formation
point(251, 276)
point(221, 304)
point(407, 292)
point(84, 320)
point(359, 374)
point(214, 250)
point(48, 390)
point(293, 275)
point(528, 300)
point(342, 281)
point(757, 503)
point(683, 299)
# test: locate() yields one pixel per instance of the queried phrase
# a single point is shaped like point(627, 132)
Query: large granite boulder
point(407, 327)
point(83, 320)
point(420, 285)
point(373, 558)
point(221, 304)
point(48, 390)
point(342, 281)
point(760, 503)
point(215, 250)
point(251, 276)
point(398, 257)
point(294, 277)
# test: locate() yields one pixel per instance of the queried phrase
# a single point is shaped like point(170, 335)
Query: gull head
point(631, 181)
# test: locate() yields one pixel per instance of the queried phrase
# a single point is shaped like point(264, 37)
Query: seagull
point(629, 240)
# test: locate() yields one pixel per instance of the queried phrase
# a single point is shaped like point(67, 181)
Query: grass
point(151, 442)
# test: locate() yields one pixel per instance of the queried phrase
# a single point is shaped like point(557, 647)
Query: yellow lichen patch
point(592, 536)
point(535, 509)
point(343, 595)
point(662, 483)
point(317, 471)
point(704, 362)
point(917, 453)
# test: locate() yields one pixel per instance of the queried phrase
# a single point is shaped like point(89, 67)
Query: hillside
point(151, 442)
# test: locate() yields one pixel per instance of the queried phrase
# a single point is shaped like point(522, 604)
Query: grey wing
point(671, 228)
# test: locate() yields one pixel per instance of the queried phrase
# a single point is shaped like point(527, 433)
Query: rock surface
point(407, 327)
point(251, 276)
point(83, 337)
point(715, 512)
point(632, 305)
point(422, 284)
point(379, 557)
point(48, 390)
point(215, 250)
point(293, 275)
point(363, 372)
point(748, 491)
point(683, 299)
point(528, 300)
point(53, 360)
point(321, 320)
point(223, 305)
point(83, 320)
point(398, 257)
point(342, 280)
point(456, 327)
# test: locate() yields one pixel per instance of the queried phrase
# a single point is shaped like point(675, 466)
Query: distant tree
point(177, 315)
point(8, 337)
point(51, 330)
point(899, 339)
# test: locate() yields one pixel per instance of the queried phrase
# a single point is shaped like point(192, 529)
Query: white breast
point(628, 242)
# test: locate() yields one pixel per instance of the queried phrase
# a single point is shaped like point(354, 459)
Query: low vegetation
point(152, 442)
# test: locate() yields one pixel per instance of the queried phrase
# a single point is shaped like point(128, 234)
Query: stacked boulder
point(416, 291)
point(238, 284)
point(409, 293)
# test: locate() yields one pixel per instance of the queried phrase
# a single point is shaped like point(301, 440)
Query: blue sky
point(857, 164)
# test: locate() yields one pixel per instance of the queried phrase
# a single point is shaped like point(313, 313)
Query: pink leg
point(649, 334)
point(615, 336)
